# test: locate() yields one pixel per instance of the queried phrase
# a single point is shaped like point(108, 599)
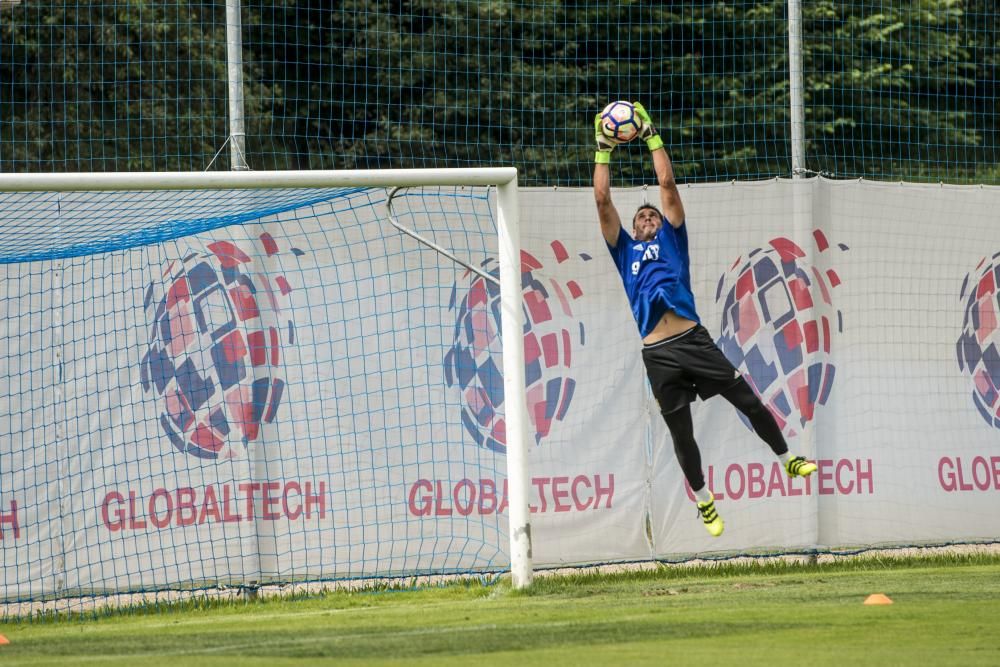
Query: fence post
point(802, 205)
point(234, 62)
point(797, 110)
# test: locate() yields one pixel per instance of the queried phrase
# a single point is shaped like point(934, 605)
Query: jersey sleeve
point(681, 238)
point(620, 248)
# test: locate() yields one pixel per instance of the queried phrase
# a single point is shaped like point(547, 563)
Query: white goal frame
point(512, 324)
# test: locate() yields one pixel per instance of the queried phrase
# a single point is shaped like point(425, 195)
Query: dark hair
point(642, 207)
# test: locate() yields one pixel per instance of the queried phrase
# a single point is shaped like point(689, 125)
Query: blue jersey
point(656, 274)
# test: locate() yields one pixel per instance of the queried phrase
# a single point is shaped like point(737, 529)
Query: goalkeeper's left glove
point(648, 132)
point(605, 144)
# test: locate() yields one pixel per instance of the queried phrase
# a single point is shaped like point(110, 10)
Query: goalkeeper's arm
point(611, 223)
point(670, 197)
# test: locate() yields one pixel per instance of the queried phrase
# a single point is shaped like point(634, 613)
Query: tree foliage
point(893, 89)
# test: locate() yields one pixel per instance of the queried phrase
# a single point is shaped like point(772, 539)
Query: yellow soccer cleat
point(800, 467)
point(711, 519)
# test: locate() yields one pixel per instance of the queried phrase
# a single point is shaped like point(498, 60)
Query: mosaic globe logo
point(978, 347)
point(551, 334)
point(775, 330)
point(218, 322)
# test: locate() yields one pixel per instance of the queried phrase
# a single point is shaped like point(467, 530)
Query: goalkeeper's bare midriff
point(669, 325)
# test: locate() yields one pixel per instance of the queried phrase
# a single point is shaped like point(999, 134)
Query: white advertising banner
point(865, 315)
point(316, 396)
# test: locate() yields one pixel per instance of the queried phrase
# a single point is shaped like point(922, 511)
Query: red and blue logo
point(551, 334)
point(978, 347)
point(774, 330)
point(219, 320)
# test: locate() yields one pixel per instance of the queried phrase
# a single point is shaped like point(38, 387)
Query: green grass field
point(946, 611)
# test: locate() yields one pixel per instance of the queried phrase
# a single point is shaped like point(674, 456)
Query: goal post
point(514, 382)
point(54, 242)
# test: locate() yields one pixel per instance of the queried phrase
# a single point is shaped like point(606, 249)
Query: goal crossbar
point(239, 180)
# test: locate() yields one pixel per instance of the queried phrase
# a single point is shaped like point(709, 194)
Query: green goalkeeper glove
point(648, 132)
point(605, 144)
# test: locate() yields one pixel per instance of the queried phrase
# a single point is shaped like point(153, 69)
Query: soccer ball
point(620, 122)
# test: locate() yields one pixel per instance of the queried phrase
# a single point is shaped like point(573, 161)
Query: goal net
point(235, 385)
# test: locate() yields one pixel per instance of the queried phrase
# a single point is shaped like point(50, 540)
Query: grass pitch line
point(297, 641)
point(249, 615)
point(242, 647)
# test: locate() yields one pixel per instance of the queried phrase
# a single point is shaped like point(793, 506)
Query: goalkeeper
point(681, 358)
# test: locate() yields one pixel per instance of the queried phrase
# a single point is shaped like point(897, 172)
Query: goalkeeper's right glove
point(605, 144)
point(648, 133)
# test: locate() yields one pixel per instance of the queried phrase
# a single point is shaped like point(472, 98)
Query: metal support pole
point(795, 85)
point(234, 60)
point(802, 203)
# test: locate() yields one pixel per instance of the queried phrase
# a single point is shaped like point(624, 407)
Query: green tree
point(893, 89)
point(901, 90)
point(125, 86)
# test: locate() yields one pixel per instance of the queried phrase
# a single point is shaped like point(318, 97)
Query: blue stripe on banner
point(567, 398)
point(168, 428)
point(552, 388)
point(168, 230)
point(815, 376)
point(465, 366)
point(470, 427)
point(259, 393)
point(532, 372)
point(218, 421)
point(161, 368)
point(831, 372)
point(492, 381)
point(195, 388)
point(781, 402)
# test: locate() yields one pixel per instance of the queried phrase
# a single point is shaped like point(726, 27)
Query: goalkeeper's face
point(646, 223)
